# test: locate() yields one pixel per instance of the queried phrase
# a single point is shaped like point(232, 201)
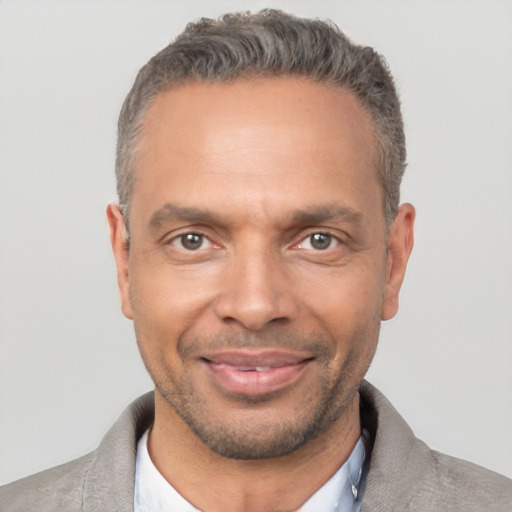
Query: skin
point(256, 168)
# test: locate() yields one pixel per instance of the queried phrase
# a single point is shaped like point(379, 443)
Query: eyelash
point(331, 238)
point(177, 241)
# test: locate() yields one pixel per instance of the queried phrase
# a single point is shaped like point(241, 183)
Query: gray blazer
point(404, 475)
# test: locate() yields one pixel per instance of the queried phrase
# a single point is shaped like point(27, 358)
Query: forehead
point(271, 140)
point(205, 109)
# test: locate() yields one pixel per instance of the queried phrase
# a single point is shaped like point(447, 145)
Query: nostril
point(279, 320)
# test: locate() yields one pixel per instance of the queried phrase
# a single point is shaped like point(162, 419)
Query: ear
point(400, 243)
point(121, 254)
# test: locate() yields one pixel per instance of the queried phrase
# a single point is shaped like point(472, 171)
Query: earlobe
point(121, 255)
point(400, 244)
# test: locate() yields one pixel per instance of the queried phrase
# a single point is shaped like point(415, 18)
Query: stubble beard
point(318, 411)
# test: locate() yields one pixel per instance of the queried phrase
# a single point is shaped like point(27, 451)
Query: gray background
point(68, 360)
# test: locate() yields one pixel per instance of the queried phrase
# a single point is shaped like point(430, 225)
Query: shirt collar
point(341, 493)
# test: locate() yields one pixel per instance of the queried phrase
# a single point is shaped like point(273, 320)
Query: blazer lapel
point(109, 484)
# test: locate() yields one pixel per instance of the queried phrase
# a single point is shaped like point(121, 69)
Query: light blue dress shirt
point(342, 493)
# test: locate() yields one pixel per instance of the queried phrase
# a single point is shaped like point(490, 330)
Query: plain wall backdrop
point(68, 358)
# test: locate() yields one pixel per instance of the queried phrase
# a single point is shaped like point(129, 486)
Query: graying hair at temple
point(269, 43)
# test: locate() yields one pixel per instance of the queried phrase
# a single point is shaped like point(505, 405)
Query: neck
point(217, 483)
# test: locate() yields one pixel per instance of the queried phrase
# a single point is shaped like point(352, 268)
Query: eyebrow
point(170, 212)
point(330, 212)
point(314, 215)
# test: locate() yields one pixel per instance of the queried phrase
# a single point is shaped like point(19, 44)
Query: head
point(269, 43)
point(265, 247)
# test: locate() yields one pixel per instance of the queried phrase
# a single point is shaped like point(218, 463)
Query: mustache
point(320, 346)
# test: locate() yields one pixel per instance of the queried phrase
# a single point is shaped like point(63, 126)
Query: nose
point(255, 292)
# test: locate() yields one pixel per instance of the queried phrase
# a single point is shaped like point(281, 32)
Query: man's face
point(257, 274)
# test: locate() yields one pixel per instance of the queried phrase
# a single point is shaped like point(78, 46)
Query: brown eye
point(191, 241)
point(320, 241)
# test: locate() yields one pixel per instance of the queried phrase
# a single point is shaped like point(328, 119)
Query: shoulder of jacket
point(53, 490)
point(453, 484)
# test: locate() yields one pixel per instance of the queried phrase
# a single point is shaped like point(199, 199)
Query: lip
point(255, 372)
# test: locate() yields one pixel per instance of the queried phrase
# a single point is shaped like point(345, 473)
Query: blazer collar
point(394, 473)
point(109, 483)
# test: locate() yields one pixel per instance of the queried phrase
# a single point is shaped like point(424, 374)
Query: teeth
point(253, 368)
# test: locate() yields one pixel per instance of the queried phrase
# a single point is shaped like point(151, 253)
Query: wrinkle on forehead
point(271, 109)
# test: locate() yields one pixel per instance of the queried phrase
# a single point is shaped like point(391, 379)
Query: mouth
point(255, 373)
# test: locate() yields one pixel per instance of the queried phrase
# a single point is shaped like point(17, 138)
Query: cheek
point(166, 302)
point(348, 307)
point(346, 296)
point(159, 290)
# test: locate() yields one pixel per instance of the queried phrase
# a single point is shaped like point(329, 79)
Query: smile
point(255, 373)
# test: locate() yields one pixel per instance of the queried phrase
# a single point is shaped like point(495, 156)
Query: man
point(259, 243)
